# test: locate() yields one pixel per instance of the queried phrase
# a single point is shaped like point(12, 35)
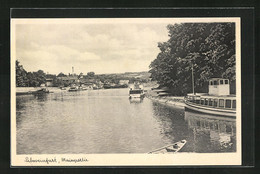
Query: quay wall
point(176, 101)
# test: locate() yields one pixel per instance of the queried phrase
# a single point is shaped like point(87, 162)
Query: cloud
point(96, 47)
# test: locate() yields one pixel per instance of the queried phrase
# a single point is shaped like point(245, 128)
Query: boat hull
point(73, 90)
point(136, 95)
point(173, 148)
point(210, 110)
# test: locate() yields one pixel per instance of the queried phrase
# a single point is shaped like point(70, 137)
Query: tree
point(61, 75)
point(209, 47)
point(21, 75)
point(91, 74)
point(26, 79)
point(41, 77)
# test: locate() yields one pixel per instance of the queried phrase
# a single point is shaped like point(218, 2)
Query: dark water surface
point(106, 121)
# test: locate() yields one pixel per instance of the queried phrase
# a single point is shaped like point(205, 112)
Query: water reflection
point(136, 100)
point(106, 121)
point(220, 130)
point(41, 97)
point(204, 133)
point(22, 103)
point(172, 125)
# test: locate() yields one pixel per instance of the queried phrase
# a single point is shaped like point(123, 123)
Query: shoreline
point(175, 101)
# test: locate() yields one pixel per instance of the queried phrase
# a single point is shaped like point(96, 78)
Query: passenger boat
point(136, 91)
point(218, 101)
point(172, 148)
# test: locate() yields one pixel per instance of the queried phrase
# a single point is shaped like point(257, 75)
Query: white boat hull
point(136, 96)
point(210, 110)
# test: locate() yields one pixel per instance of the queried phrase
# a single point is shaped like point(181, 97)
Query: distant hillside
point(129, 75)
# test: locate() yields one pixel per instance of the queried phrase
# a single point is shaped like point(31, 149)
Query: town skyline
point(80, 72)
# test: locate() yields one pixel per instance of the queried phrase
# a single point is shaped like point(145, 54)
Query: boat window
point(202, 101)
point(206, 101)
point(226, 81)
point(211, 83)
point(198, 101)
point(234, 104)
point(215, 103)
point(210, 102)
point(215, 82)
point(228, 103)
point(221, 103)
point(221, 82)
point(191, 99)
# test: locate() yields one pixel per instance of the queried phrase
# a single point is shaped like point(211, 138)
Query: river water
point(106, 121)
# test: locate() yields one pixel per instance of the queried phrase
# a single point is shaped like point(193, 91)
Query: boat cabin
point(219, 86)
point(217, 97)
point(136, 90)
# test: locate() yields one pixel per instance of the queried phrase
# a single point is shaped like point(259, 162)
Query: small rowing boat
point(173, 148)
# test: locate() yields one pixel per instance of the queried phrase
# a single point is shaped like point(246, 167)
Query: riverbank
point(176, 101)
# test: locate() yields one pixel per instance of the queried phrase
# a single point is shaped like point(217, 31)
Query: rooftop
point(216, 78)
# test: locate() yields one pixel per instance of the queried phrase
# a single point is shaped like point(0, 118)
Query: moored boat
point(63, 88)
point(73, 88)
point(218, 101)
point(24, 93)
point(172, 148)
point(41, 91)
point(83, 88)
point(136, 91)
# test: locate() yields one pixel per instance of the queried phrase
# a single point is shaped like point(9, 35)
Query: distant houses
point(69, 79)
point(91, 82)
point(123, 82)
point(49, 82)
point(94, 81)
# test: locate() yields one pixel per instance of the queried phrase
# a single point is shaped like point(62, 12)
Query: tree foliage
point(209, 47)
point(21, 75)
point(91, 74)
point(26, 79)
point(61, 74)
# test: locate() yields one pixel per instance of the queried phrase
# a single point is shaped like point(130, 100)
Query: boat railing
point(224, 103)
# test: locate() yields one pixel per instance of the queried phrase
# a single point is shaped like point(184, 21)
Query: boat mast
point(192, 78)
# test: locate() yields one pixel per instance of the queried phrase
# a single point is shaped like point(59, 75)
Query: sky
point(99, 45)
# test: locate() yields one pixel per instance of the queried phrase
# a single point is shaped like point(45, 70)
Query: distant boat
point(83, 88)
point(63, 88)
point(73, 88)
point(172, 148)
point(41, 91)
point(217, 102)
point(24, 93)
point(136, 91)
point(95, 88)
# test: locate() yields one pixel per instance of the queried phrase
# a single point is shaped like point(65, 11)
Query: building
point(69, 79)
point(123, 82)
point(49, 82)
